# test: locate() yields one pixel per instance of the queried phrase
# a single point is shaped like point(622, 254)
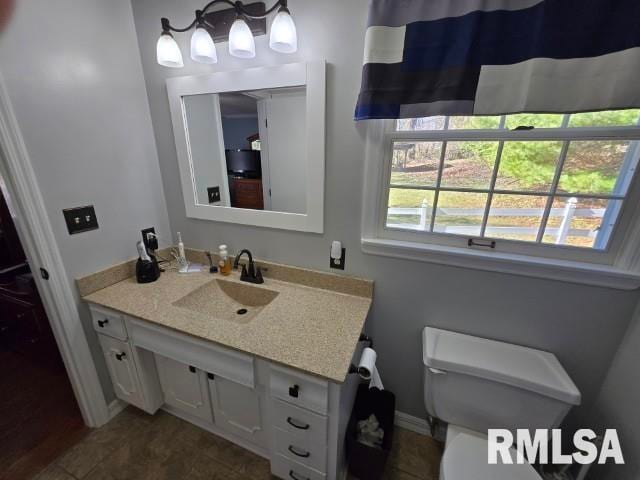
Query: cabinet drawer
point(108, 322)
point(300, 450)
point(299, 389)
point(300, 422)
point(287, 469)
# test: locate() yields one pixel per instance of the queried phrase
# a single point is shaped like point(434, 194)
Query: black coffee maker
point(147, 268)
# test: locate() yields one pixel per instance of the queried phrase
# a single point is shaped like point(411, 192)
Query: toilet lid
point(466, 459)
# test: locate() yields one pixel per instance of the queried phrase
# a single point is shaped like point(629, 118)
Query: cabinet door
point(184, 387)
point(236, 409)
point(122, 369)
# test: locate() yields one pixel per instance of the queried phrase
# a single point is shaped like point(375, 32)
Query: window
point(529, 182)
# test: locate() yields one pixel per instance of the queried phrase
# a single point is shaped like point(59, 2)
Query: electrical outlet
point(80, 219)
point(150, 241)
point(339, 264)
point(214, 194)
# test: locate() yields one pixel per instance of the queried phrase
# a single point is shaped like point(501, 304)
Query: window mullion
point(552, 194)
point(436, 194)
point(494, 176)
point(537, 134)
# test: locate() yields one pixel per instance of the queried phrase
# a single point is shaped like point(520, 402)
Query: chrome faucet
point(252, 274)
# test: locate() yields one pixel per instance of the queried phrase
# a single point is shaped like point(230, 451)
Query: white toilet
point(475, 384)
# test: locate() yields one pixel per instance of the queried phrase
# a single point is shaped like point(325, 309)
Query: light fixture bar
point(238, 6)
point(283, 37)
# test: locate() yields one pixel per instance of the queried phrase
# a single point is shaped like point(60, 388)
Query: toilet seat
point(465, 458)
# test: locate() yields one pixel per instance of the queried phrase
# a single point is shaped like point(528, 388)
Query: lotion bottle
point(224, 264)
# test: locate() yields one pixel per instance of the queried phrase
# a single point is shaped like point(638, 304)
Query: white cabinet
point(122, 369)
point(184, 387)
point(236, 409)
point(296, 420)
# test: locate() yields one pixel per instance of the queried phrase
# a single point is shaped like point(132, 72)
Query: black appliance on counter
point(147, 268)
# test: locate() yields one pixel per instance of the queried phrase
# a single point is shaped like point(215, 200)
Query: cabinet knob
point(299, 453)
point(295, 476)
point(297, 425)
point(294, 391)
point(210, 376)
point(102, 323)
point(192, 369)
point(120, 356)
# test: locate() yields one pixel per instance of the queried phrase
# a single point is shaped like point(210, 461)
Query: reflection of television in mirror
point(244, 163)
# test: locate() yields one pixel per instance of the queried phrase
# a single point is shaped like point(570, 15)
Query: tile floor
point(138, 446)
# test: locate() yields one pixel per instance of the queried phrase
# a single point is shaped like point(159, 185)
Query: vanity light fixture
point(241, 43)
point(168, 51)
point(283, 36)
point(203, 49)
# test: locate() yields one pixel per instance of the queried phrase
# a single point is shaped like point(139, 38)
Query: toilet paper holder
point(363, 338)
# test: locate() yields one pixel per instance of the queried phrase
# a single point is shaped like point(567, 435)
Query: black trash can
point(365, 462)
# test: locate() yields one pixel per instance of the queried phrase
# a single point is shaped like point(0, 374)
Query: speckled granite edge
point(110, 275)
point(359, 287)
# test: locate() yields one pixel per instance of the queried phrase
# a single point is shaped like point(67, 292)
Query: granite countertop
point(311, 329)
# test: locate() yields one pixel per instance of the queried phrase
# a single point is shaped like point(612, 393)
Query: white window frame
point(617, 266)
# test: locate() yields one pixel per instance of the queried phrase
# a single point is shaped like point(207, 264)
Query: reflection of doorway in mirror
point(239, 115)
point(265, 138)
point(251, 146)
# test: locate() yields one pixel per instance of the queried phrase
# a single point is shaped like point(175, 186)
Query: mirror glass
point(248, 148)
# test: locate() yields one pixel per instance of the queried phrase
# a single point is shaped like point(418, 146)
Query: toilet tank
point(480, 384)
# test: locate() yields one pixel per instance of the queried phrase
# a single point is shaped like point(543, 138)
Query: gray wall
point(617, 407)
point(581, 325)
point(74, 77)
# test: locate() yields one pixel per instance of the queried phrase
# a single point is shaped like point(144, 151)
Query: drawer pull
point(295, 425)
point(295, 476)
point(294, 391)
point(120, 356)
point(102, 323)
point(301, 453)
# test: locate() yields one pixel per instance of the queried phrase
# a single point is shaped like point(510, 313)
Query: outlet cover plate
point(214, 194)
point(80, 219)
point(339, 265)
point(150, 245)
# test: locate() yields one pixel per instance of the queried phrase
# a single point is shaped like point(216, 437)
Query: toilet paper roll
point(367, 368)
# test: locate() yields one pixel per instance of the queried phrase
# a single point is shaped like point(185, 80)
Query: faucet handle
point(258, 276)
point(244, 275)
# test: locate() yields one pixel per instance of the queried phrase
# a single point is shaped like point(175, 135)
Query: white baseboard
point(115, 407)
point(415, 424)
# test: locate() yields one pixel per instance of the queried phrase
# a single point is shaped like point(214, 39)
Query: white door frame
point(38, 241)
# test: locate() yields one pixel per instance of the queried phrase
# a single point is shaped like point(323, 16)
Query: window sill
point(566, 271)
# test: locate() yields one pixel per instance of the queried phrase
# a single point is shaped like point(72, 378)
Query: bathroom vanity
point(265, 367)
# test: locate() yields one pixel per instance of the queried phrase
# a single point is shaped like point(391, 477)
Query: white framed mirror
point(251, 145)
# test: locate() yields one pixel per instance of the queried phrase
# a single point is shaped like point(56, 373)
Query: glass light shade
point(283, 37)
point(168, 52)
point(241, 42)
point(203, 49)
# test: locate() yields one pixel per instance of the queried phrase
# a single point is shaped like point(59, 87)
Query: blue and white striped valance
point(486, 57)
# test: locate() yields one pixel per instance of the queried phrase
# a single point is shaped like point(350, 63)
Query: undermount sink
point(238, 302)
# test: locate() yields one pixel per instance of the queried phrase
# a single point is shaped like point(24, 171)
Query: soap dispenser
point(224, 264)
